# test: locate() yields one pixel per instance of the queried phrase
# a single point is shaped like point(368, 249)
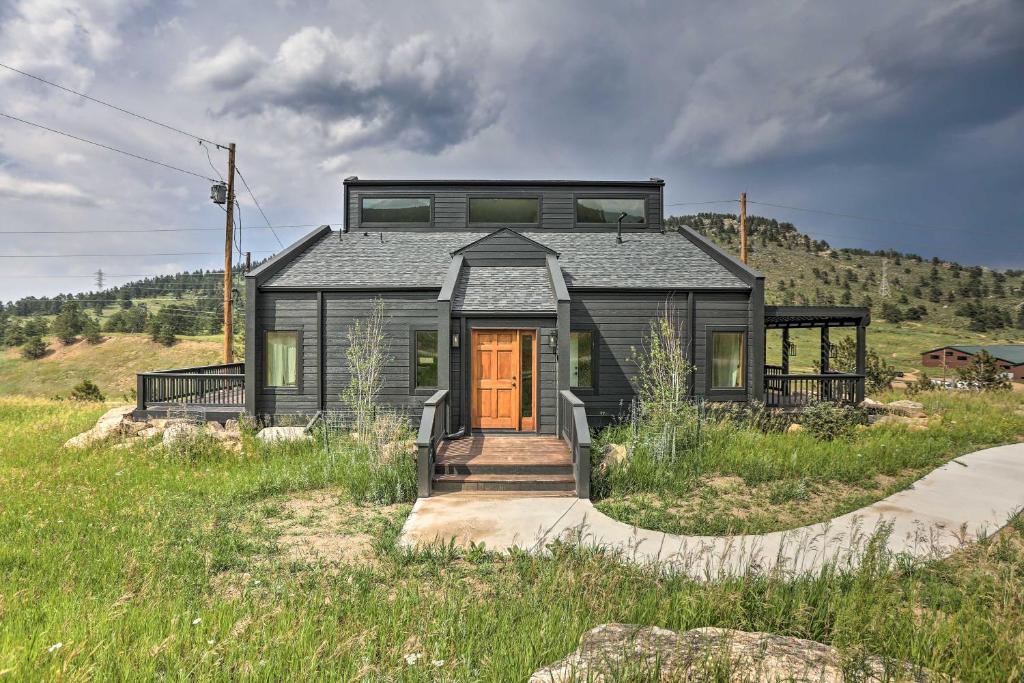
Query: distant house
point(1010, 357)
point(512, 306)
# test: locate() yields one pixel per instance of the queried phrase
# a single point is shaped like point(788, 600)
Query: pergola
point(786, 389)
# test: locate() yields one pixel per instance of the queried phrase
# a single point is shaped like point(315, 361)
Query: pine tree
point(68, 323)
point(91, 330)
point(984, 371)
point(34, 348)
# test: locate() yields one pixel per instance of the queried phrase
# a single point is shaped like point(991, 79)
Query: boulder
point(213, 426)
point(908, 408)
point(233, 426)
point(614, 454)
point(272, 434)
point(704, 653)
point(148, 432)
point(794, 427)
point(180, 431)
point(912, 423)
point(872, 404)
point(110, 423)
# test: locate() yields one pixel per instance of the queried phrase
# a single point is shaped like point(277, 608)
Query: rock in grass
point(794, 427)
point(111, 423)
point(180, 431)
point(908, 408)
point(615, 651)
point(614, 454)
point(872, 404)
point(272, 434)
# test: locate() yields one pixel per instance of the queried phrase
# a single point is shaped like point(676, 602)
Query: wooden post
point(785, 350)
point(826, 347)
point(229, 229)
point(862, 358)
point(743, 227)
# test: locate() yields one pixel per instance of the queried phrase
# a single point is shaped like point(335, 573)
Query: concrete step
point(446, 483)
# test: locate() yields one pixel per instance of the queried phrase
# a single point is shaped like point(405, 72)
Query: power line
point(90, 231)
point(217, 274)
point(107, 147)
point(256, 202)
point(868, 219)
point(179, 253)
point(715, 201)
point(112, 106)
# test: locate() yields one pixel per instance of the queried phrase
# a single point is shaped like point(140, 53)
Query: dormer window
point(389, 210)
point(504, 210)
point(606, 210)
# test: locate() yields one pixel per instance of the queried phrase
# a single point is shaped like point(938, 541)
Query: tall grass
point(734, 447)
point(116, 555)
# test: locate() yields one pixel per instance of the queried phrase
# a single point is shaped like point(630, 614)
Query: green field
point(111, 364)
point(142, 564)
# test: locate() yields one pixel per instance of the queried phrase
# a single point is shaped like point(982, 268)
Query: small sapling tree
point(367, 355)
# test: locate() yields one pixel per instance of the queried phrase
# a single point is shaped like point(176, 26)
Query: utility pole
point(229, 229)
point(743, 227)
point(99, 279)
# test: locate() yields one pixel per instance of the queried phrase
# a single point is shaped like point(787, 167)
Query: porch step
point(447, 483)
point(470, 468)
point(504, 462)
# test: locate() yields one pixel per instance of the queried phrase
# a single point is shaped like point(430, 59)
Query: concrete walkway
point(969, 496)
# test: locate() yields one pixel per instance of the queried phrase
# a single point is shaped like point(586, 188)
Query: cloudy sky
point(909, 111)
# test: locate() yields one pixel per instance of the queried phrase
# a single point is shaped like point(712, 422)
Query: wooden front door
point(495, 378)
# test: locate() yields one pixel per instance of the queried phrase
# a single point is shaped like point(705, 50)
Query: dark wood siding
point(504, 249)
point(713, 309)
point(288, 311)
point(557, 203)
point(622, 321)
point(407, 312)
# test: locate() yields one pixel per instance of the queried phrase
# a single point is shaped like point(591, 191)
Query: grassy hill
point(111, 364)
point(802, 271)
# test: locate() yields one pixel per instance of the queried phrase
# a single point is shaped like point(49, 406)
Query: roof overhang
point(777, 317)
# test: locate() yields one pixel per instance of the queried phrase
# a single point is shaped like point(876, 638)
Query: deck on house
point(504, 462)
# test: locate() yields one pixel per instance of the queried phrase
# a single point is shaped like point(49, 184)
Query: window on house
point(581, 359)
point(727, 360)
point(426, 359)
point(395, 210)
point(526, 369)
point(504, 210)
point(282, 358)
point(961, 357)
point(608, 210)
point(935, 356)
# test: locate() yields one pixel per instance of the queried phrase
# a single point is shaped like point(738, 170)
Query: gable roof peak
point(503, 232)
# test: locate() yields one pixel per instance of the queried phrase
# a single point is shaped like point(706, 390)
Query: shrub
point(878, 373)
point(919, 385)
point(34, 348)
point(663, 372)
point(984, 372)
point(86, 390)
point(828, 421)
point(368, 354)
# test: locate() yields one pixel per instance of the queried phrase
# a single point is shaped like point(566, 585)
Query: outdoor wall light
point(553, 340)
point(455, 340)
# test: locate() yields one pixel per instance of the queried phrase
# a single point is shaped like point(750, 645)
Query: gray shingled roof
point(421, 259)
point(525, 289)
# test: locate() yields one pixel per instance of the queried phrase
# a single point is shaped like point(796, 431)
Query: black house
point(511, 306)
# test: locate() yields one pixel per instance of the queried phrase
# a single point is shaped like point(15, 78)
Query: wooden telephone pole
point(743, 227)
point(229, 237)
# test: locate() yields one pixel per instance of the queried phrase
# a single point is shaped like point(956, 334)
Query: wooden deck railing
point(211, 386)
point(795, 391)
point(575, 431)
point(432, 429)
